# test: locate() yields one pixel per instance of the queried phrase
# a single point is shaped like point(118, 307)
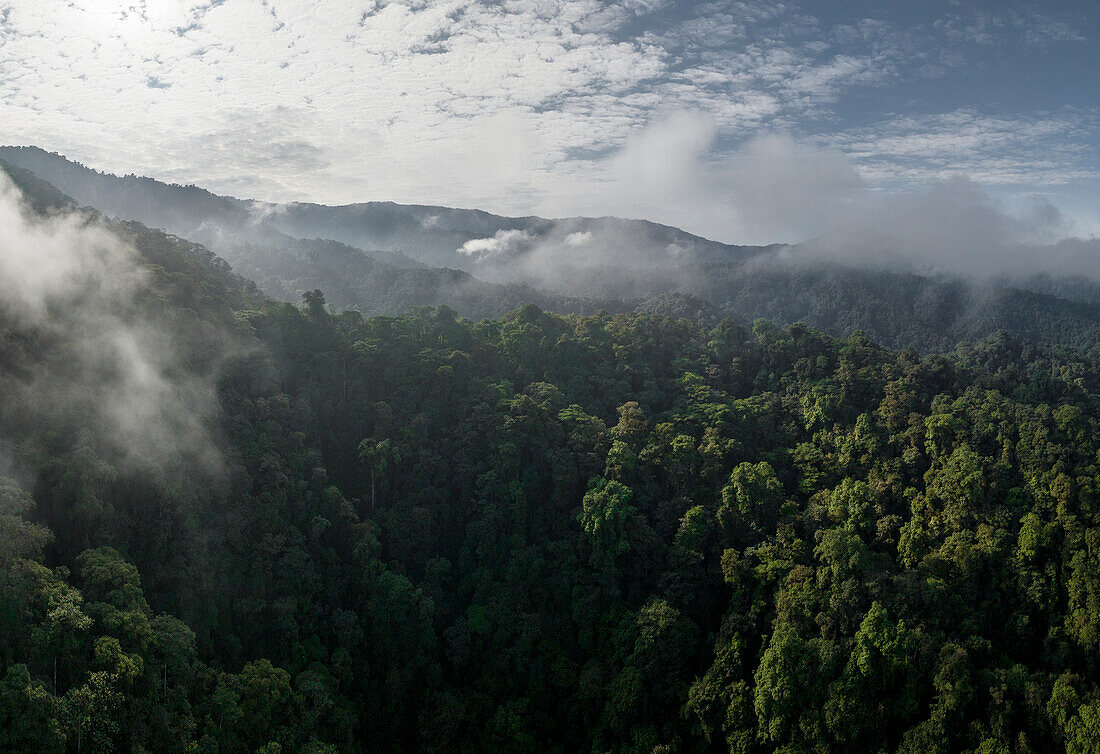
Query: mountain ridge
point(81, 180)
point(483, 265)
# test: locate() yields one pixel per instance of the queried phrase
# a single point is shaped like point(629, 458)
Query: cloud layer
point(778, 188)
point(550, 106)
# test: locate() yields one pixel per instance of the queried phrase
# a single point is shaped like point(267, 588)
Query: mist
point(956, 228)
point(89, 354)
point(595, 257)
point(813, 200)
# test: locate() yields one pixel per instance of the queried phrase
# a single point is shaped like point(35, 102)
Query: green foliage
point(605, 513)
point(583, 533)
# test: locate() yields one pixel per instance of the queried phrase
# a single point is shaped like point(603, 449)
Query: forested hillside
point(284, 267)
point(906, 310)
point(432, 235)
point(607, 533)
point(402, 257)
point(483, 265)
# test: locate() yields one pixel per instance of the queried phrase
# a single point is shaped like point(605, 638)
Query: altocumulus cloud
point(653, 109)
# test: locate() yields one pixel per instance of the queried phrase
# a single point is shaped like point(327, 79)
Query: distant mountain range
point(381, 257)
point(491, 247)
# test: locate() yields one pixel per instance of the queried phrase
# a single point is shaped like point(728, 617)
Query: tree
point(28, 715)
point(315, 303)
point(379, 456)
point(605, 511)
point(755, 493)
point(719, 704)
point(265, 702)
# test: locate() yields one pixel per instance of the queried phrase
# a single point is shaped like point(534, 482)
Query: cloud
point(516, 107)
point(504, 243)
point(661, 159)
point(99, 360)
point(777, 187)
point(783, 189)
point(578, 239)
point(1014, 21)
point(956, 228)
point(771, 188)
point(1043, 149)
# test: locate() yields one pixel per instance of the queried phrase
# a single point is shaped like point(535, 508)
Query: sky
point(747, 122)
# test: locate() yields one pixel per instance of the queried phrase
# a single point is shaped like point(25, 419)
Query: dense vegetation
point(627, 533)
point(354, 280)
point(905, 310)
point(573, 533)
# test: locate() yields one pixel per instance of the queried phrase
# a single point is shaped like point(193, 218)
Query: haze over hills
point(371, 281)
point(469, 240)
point(382, 257)
point(508, 248)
